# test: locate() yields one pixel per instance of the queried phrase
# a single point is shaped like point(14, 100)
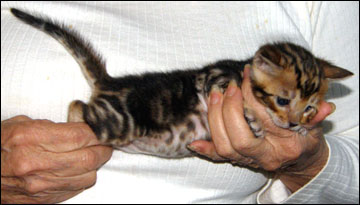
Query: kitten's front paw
point(299, 129)
point(254, 124)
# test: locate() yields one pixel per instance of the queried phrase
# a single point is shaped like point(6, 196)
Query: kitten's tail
point(92, 66)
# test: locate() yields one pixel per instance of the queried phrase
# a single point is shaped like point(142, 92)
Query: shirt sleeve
point(337, 182)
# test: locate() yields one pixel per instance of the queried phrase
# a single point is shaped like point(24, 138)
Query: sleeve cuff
point(275, 192)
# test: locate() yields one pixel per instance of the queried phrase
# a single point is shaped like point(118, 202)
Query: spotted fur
point(161, 113)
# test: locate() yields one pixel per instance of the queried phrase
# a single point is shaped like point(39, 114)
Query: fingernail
point(333, 107)
point(230, 91)
point(214, 95)
point(192, 148)
point(215, 88)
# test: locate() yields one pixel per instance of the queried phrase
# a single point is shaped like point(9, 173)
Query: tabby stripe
point(93, 125)
point(262, 91)
point(298, 52)
point(284, 50)
point(116, 105)
point(103, 114)
point(298, 78)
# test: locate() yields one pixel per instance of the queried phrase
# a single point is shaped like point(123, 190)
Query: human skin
point(295, 159)
point(47, 162)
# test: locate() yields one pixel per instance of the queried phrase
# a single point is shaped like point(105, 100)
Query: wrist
point(297, 175)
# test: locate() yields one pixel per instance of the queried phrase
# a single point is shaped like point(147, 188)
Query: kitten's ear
point(267, 60)
point(333, 72)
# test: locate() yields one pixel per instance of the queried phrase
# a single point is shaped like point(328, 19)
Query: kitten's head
point(291, 82)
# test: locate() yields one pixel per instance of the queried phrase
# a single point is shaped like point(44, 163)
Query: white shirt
point(39, 79)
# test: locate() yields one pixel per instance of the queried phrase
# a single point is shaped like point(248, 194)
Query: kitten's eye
point(282, 101)
point(308, 108)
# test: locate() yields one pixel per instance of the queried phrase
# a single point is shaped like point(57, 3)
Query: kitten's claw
point(303, 131)
point(253, 123)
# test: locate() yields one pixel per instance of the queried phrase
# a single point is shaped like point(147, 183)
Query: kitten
point(161, 113)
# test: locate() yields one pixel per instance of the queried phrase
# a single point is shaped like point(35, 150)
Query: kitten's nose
point(292, 124)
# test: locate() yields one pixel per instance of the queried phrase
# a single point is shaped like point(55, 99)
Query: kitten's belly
point(172, 143)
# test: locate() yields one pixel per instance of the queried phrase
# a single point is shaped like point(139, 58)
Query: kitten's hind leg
point(76, 111)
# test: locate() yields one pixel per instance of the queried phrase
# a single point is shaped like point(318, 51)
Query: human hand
point(294, 157)
point(46, 162)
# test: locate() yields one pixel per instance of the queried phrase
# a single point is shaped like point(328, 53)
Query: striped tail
point(91, 63)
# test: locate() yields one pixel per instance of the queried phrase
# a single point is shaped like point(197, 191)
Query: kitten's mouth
point(289, 125)
point(295, 127)
point(298, 128)
point(292, 124)
point(284, 124)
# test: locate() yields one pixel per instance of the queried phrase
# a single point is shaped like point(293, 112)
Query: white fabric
point(39, 79)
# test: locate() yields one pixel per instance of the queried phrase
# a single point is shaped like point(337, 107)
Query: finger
point(240, 135)
point(249, 97)
point(53, 137)
point(71, 136)
point(79, 161)
point(218, 132)
point(325, 109)
point(12, 183)
point(41, 182)
point(9, 196)
point(21, 162)
point(205, 148)
point(62, 137)
point(233, 113)
point(60, 197)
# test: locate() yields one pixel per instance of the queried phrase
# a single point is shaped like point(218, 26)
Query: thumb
point(206, 149)
point(325, 109)
point(249, 97)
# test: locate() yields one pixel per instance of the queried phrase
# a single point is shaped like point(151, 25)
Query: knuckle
point(26, 131)
point(294, 153)
point(272, 166)
point(225, 153)
point(18, 135)
point(268, 167)
point(21, 118)
point(21, 167)
point(32, 187)
point(239, 145)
